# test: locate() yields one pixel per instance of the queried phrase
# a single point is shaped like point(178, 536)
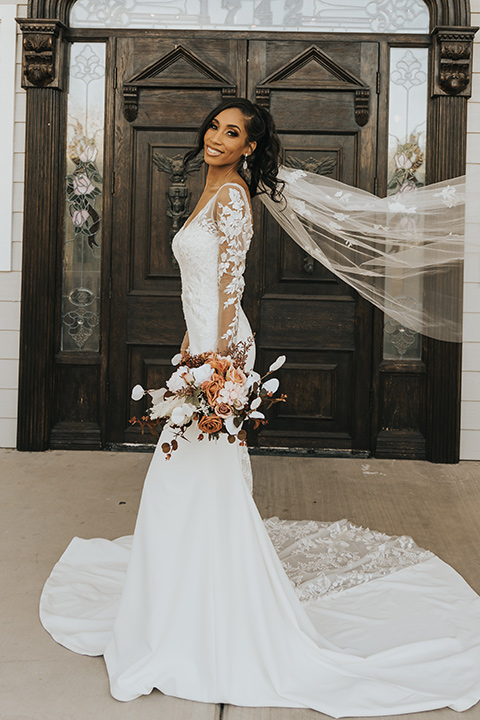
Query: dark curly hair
point(263, 163)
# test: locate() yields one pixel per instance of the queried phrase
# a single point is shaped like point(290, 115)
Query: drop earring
point(245, 164)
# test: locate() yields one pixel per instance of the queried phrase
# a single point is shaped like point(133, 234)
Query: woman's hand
point(184, 345)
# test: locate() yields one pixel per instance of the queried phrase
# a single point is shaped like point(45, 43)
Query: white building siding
point(10, 280)
point(470, 421)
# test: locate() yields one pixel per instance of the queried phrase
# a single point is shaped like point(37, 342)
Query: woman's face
point(225, 142)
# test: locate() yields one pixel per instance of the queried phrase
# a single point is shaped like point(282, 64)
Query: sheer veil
point(403, 253)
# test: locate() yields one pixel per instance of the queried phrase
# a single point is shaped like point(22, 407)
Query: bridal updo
point(263, 163)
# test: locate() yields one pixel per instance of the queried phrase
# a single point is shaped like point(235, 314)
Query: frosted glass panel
point(406, 171)
point(376, 16)
point(84, 187)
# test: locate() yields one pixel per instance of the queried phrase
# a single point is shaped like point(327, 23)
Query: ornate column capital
point(452, 61)
point(43, 50)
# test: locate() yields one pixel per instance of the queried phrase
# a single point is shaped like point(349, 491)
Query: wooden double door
point(324, 101)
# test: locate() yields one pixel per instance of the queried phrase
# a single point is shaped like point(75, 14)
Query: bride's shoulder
point(233, 194)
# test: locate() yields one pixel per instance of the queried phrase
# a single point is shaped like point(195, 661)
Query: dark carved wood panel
point(152, 367)
point(311, 323)
point(304, 309)
point(76, 411)
point(155, 319)
point(292, 302)
point(156, 158)
point(314, 381)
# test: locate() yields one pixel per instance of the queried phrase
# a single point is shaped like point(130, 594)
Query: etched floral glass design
point(361, 16)
point(83, 194)
point(406, 171)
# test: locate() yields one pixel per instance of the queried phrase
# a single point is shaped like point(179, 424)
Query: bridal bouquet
point(213, 390)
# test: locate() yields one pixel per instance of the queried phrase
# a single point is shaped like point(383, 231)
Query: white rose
point(177, 381)
point(181, 413)
point(202, 373)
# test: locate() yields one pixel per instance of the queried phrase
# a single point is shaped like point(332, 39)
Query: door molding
point(43, 77)
point(151, 77)
point(340, 80)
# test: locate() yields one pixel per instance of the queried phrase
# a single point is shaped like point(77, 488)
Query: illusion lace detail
point(211, 251)
point(246, 466)
point(322, 558)
point(235, 227)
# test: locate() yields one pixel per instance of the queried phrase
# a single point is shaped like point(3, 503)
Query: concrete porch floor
point(47, 498)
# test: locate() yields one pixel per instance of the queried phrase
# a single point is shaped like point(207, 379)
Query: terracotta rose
point(212, 387)
point(210, 424)
point(219, 363)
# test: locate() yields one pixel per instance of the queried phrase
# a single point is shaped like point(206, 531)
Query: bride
point(208, 602)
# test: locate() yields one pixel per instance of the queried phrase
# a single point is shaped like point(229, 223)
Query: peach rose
point(212, 387)
point(236, 375)
point(210, 424)
point(220, 364)
point(223, 410)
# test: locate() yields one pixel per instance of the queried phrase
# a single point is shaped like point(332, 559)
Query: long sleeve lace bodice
point(211, 252)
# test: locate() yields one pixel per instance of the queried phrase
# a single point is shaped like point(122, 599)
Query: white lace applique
point(292, 177)
point(211, 251)
point(343, 197)
point(246, 466)
point(235, 229)
point(322, 558)
point(398, 207)
point(448, 195)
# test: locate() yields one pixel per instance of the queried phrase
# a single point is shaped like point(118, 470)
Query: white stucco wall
point(11, 219)
point(11, 243)
point(470, 422)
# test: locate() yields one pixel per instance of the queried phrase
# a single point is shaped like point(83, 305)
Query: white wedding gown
point(208, 602)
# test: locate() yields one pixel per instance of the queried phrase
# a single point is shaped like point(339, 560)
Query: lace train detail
point(322, 558)
point(246, 466)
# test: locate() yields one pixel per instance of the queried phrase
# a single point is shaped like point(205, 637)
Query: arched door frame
point(44, 78)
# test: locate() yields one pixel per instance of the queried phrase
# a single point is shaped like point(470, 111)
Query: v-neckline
point(191, 219)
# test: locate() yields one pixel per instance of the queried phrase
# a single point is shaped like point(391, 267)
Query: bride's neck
point(218, 176)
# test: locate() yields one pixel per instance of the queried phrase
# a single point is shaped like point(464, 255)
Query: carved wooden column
point(450, 85)
point(43, 78)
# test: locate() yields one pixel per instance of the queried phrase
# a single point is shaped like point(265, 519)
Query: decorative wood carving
point(324, 166)
point(42, 50)
point(331, 77)
point(178, 196)
point(362, 104)
point(201, 75)
point(452, 67)
point(130, 102)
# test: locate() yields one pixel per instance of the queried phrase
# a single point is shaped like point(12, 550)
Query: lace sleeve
point(233, 219)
